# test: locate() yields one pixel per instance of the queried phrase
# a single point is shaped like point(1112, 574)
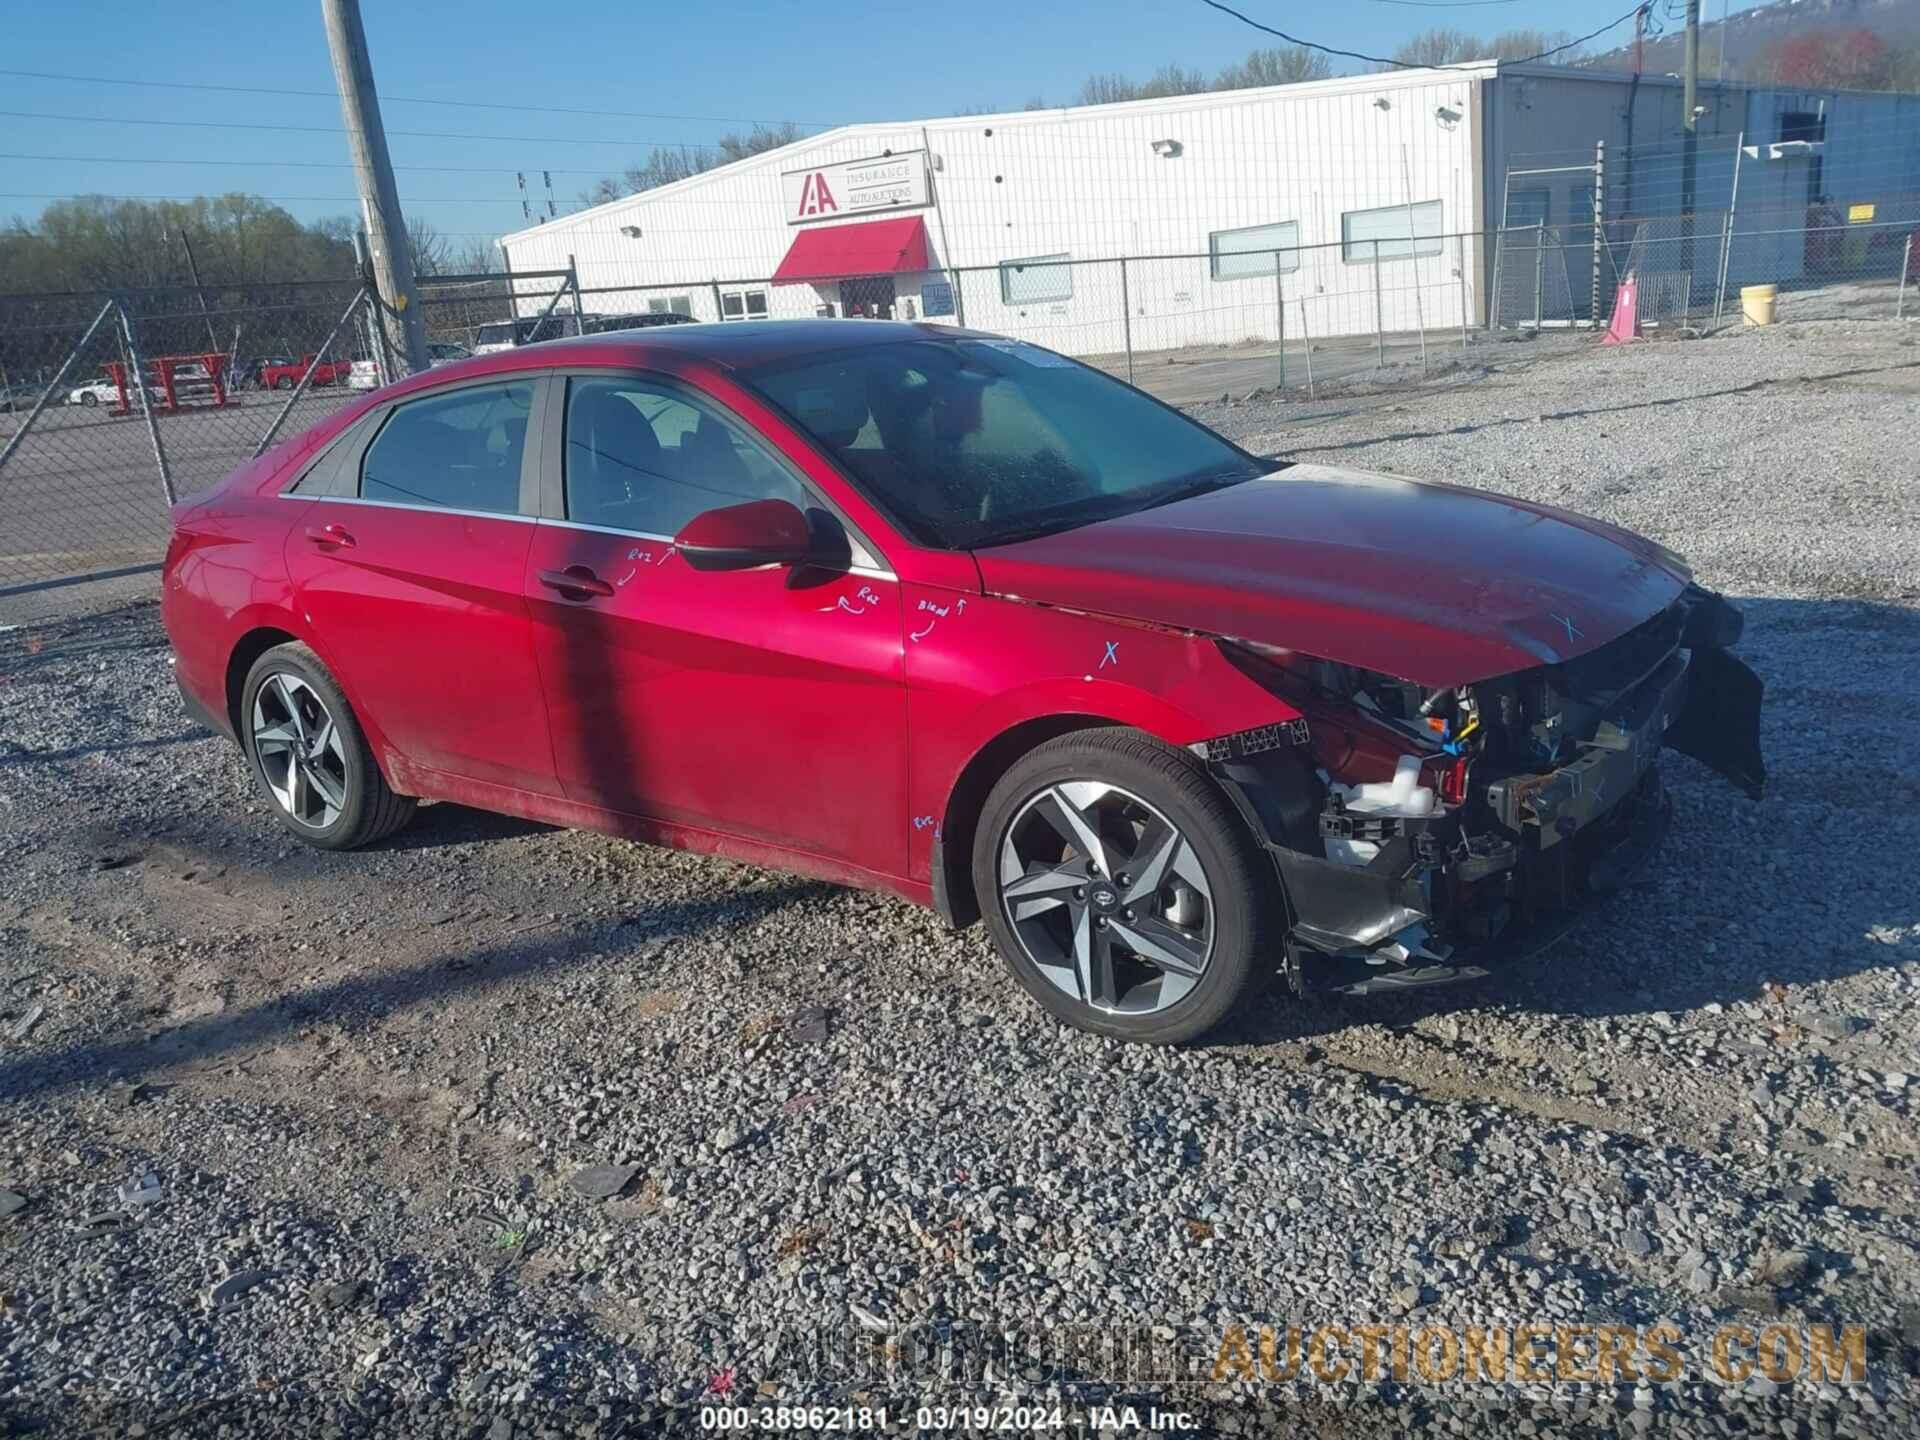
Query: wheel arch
point(240, 660)
point(953, 893)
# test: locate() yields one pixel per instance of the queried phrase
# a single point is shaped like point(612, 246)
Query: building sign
point(1859, 214)
point(936, 298)
point(856, 187)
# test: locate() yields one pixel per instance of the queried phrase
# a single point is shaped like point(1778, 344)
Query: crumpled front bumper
point(1616, 854)
point(1501, 878)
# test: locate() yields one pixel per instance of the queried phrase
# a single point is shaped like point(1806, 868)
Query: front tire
point(89, 400)
point(309, 756)
point(1121, 888)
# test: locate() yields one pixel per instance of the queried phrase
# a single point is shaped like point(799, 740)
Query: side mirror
point(743, 537)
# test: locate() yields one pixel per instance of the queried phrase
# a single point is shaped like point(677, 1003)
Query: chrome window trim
point(866, 572)
point(514, 516)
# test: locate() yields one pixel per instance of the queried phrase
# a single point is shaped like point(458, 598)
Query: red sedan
point(951, 616)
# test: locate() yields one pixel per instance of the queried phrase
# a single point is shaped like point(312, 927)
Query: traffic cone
point(1625, 324)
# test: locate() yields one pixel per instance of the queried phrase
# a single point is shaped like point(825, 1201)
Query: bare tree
point(476, 257)
point(758, 141)
point(1167, 80)
point(1447, 46)
point(1442, 45)
point(1108, 89)
point(1291, 66)
point(430, 248)
point(1282, 66)
point(667, 163)
point(1521, 44)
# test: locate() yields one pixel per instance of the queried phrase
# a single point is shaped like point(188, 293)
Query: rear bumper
point(198, 711)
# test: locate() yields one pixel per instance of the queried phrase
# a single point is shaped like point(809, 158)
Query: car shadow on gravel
point(366, 999)
point(14, 755)
point(1743, 900)
point(444, 823)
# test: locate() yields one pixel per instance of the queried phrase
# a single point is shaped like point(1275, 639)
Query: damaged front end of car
point(1419, 834)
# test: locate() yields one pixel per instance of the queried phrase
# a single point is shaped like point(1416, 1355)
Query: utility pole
point(379, 198)
point(1689, 152)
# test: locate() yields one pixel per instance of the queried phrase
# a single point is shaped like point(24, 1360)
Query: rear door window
point(460, 451)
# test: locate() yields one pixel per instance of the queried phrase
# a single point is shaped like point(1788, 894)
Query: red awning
point(873, 247)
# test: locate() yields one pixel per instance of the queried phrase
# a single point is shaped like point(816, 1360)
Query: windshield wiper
point(1198, 485)
point(1034, 531)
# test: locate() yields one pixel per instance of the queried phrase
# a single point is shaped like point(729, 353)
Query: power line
point(277, 199)
point(1406, 65)
point(419, 99)
point(292, 164)
point(142, 120)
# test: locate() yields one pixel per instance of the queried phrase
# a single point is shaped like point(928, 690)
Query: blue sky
point(823, 63)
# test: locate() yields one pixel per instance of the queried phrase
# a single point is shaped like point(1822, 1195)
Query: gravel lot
point(364, 1085)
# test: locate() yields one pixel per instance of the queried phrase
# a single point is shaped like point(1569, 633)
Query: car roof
point(735, 345)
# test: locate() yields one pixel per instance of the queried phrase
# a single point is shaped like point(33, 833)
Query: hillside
point(1748, 33)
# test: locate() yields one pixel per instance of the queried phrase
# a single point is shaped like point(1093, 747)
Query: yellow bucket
point(1756, 303)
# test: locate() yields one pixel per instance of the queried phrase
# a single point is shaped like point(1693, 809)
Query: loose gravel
point(500, 1130)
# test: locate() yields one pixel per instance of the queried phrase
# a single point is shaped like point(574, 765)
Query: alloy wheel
point(1107, 897)
point(300, 750)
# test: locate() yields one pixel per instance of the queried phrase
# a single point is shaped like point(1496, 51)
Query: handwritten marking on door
point(935, 614)
point(1112, 657)
point(644, 557)
point(927, 822)
point(864, 595)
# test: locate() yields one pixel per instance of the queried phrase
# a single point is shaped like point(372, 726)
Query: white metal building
point(1335, 206)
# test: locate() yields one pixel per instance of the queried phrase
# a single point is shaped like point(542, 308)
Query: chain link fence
point(118, 405)
point(1695, 224)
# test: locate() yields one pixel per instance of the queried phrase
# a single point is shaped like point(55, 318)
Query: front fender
point(980, 668)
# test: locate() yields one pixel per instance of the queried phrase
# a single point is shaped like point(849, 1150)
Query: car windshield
point(972, 442)
point(494, 334)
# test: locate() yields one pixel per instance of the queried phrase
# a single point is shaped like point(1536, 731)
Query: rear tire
point(310, 757)
point(1177, 907)
point(89, 399)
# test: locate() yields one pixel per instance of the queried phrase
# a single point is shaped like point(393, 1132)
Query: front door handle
point(576, 582)
point(331, 535)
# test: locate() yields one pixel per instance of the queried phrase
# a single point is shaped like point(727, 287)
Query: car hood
point(1431, 583)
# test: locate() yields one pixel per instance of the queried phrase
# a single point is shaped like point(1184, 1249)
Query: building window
point(1393, 232)
point(1242, 254)
point(670, 305)
point(1528, 208)
point(743, 305)
point(1036, 279)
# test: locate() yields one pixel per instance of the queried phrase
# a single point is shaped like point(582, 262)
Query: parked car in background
point(929, 611)
point(287, 375)
point(445, 352)
point(642, 320)
point(500, 335)
point(247, 373)
point(21, 395)
point(363, 375)
point(94, 392)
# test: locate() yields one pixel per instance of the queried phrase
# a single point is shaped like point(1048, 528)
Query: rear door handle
point(337, 535)
point(576, 582)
